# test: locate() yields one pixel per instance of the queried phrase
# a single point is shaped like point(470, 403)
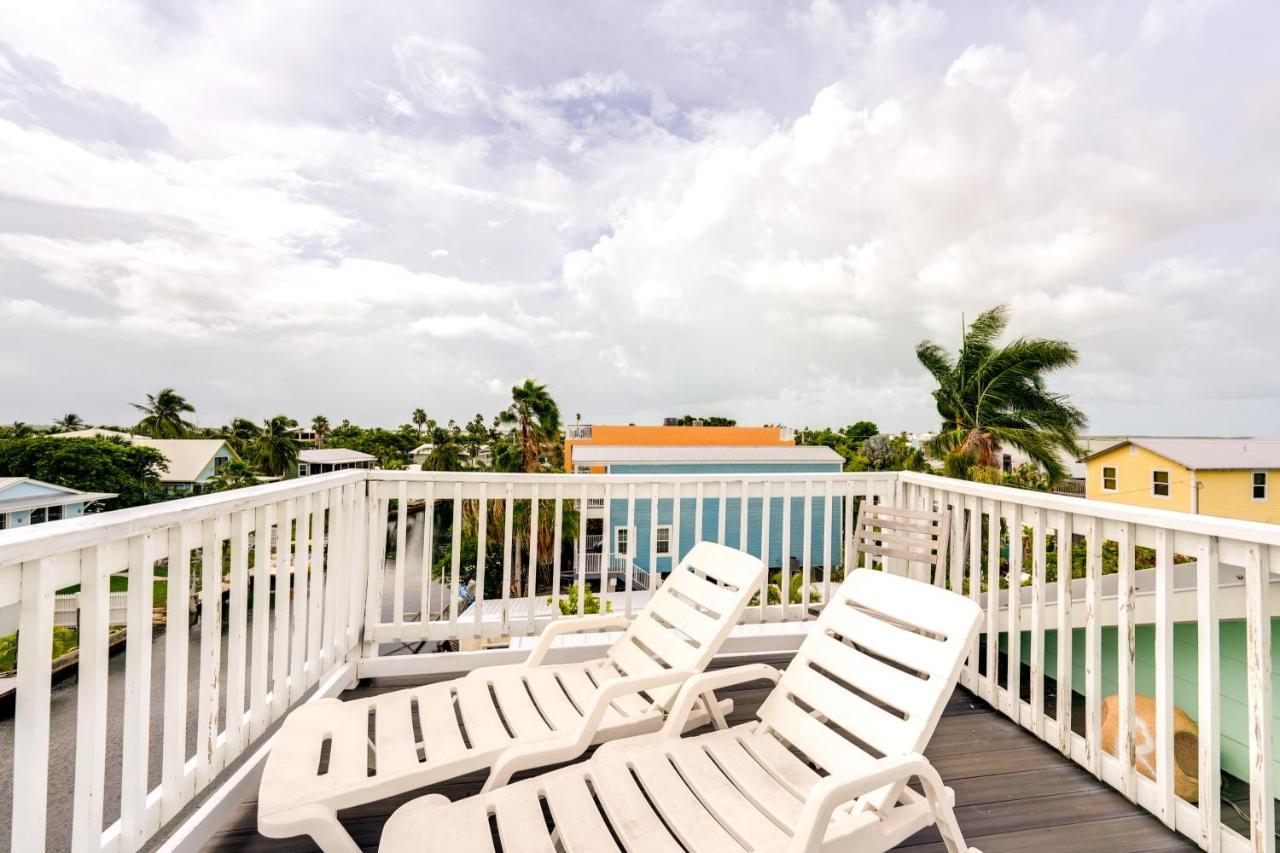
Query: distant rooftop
point(589, 454)
point(1210, 453)
point(329, 455)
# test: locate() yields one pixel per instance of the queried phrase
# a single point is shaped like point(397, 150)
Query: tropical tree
point(162, 414)
point(992, 396)
point(276, 447)
point(17, 429)
point(420, 419)
point(241, 433)
point(130, 471)
point(536, 419)
point(445, 455)
point(235, 474)
point(320, 426)
point(69, 422)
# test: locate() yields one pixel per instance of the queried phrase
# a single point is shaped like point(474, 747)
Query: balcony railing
point(306, 585)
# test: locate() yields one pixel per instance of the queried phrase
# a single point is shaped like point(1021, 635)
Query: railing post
point(1262, 825)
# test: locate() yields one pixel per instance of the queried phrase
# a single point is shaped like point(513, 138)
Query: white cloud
point(701, 206)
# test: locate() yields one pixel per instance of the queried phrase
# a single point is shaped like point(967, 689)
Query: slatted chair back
point(689, 616)
point(916, 536)
point(873, 678)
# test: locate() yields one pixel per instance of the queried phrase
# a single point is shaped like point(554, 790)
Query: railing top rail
point(33, 542)
point(1207, 525)
point(577, 481)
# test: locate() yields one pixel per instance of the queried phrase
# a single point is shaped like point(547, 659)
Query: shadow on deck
point(1013, 792)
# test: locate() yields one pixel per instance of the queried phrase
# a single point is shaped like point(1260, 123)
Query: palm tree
point(19, 430)
point(240, 434)
point(536, 418)
point(69, 422)
point(162, 414)
point(444, 456)
point(276, 447)
point(320, 426)
point(419, 419)
point(993, 396)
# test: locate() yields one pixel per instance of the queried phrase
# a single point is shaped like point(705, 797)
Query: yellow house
point(1228, 477)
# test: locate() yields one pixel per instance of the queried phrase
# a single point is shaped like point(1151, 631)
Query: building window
point(1259, 485)
point(1108, 478)
point(622, 536)
point(1006, 463)
point(664, 540)
point(1160, 484)
point(4, 520)
point(54, 513)
point(37, 516)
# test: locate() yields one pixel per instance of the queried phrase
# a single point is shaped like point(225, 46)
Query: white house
point(326, 459)
point(25, 501)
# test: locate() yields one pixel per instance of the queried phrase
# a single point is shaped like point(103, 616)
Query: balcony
point(160, 745)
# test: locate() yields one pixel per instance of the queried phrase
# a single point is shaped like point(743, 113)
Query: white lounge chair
point(332, 755)
point(824, 768)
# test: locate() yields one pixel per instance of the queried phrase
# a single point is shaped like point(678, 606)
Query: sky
point(753, 210)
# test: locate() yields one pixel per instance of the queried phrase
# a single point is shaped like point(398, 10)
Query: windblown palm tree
point(419, 419)
point(320, 426)
point(69, 422)
point(992, 397)
point(240, 434)
point(536, 418)
point(276, 447)
point(162, 414)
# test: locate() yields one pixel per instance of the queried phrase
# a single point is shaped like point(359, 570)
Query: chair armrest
point(837, 789)
point(707, 682)
point(570, 745)
point(573, 625)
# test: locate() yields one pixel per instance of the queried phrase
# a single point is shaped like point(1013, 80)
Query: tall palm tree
point(320, 426)
point(992, 397)
point(536, 418)
point(276, 447)
point(419, 419)
point(69, 422)
point(162, 414)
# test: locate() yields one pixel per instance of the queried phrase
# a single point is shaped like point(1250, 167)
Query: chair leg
point(713, 711)
point(941, 802)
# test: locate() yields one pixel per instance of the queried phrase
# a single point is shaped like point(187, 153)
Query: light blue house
point(192, 461)
point(25, 501)
point(732, 462)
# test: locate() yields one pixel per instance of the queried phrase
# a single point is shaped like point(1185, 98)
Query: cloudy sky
point(747, 209)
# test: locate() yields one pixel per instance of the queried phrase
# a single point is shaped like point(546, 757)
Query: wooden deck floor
point(1013, 792)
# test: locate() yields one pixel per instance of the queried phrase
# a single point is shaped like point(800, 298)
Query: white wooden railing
point(1026, 614)
point(374, 562)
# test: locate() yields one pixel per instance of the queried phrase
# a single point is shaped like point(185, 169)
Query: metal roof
point(187, 456)
point(59, 496)
point(590, 454)
point(1207, 454)
point(333, 454)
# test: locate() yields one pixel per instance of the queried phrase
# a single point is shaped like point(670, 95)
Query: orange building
point(669, 436)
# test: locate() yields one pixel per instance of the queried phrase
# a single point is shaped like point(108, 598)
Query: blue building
point(715, 461)
point(24, 501)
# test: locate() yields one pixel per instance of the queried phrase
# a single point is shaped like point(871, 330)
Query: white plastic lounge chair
point(824, 768)
point(332, 755)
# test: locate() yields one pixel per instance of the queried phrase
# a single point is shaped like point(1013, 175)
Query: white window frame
point(1254, 484)
point(658, 541)
point(1114, 478)
point(1168, 483)
point(621, 532)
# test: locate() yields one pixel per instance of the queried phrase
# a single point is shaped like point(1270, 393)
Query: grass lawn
point(64, 640)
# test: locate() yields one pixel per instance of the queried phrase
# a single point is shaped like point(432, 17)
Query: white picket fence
point(66, 610)
point(345, 559)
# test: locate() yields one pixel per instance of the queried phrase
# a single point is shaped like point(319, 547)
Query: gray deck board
point(1013, 792)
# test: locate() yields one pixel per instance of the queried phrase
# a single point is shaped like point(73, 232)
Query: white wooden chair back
point(873, 679)
point(915, 536)
point(689, 616)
